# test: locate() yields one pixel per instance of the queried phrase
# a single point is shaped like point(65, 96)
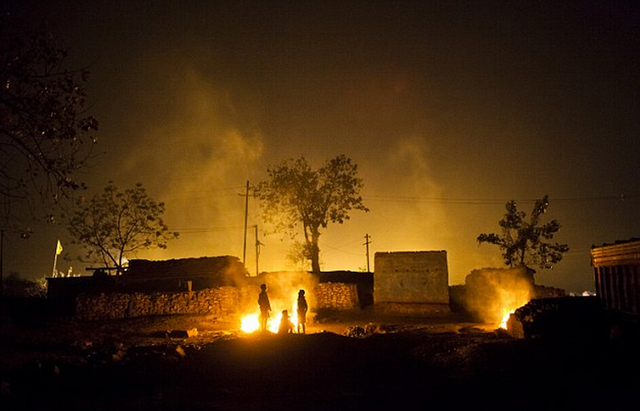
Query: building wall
point(420, 277)
point(617, 275)
point(203, 272)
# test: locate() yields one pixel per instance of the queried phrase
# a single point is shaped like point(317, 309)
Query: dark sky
point(450, 109)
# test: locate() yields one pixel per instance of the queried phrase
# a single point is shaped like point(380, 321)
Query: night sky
point(449, 108)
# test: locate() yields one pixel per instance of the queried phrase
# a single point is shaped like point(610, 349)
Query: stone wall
point(221, 302)
point(336, 296)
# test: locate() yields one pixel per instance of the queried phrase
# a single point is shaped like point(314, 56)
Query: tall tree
point(115, 223)
point(45, 136)
point(294, 194)
point(523, 241)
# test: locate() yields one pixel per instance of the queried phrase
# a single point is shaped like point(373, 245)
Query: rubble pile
point(359, 331)
point(568, 317)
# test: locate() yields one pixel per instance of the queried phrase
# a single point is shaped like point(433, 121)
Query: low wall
point(336, 296)
point(221, 302)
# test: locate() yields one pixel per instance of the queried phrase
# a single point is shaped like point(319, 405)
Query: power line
point(325, 246)
point(340, 249)
point(487, 201)
point(195, 230)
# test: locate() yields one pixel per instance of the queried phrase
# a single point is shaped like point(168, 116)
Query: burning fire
point(509, 300)
point(505, 319)
point(510, 306)
point(250, 323)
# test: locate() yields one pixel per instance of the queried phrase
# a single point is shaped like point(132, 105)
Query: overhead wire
point(196, 230)
point(338, 248)
point(488, 201)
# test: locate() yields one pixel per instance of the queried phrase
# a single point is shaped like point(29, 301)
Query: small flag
point(59, 248)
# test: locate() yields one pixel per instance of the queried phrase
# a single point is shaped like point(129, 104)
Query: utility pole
point(1, 263)
point(367, 241)
point(246, 213)
point(258, 244)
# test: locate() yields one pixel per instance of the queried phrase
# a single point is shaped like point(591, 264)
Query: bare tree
point(45, 138)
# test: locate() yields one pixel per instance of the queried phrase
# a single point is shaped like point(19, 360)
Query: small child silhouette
point(286, 326)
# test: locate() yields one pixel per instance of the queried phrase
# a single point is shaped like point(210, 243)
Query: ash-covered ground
point(343, 363)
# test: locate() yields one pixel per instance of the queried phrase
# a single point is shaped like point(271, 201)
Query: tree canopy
point(523, 241)
point(294, 195)
point(114, 224)
point(45, 136)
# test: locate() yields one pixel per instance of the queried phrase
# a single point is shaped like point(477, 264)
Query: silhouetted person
point(286, 326)
point(302, 313)
point(265, 307)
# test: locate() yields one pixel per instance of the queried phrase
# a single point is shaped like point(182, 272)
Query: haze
point(450, 109)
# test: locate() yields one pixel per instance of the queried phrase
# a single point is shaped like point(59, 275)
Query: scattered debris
point(359, 331)
point(193, 332)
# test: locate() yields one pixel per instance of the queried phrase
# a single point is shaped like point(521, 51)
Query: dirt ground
point(354, 362)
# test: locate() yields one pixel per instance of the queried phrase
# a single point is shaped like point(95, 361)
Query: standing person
point(302, 313)
point(265, 307)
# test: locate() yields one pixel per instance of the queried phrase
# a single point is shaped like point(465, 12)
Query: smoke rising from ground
point(283, 290)
point(492, 293)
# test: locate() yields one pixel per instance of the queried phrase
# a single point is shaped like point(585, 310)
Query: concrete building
point(411, 282)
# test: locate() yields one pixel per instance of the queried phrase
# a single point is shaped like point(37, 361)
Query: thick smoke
point(193, 155)
point(492, 293)
point(283, 290)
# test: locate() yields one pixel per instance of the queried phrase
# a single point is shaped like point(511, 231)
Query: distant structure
point(184, 273)
point(617, 276)
point(411, 282)
point(216, 286)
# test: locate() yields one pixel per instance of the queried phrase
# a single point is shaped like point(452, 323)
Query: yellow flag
point(59, 248)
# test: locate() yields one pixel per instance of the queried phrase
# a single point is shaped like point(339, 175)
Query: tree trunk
point(315, 252)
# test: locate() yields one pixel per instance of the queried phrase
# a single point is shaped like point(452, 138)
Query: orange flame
point(250, 323)
point(505, 319)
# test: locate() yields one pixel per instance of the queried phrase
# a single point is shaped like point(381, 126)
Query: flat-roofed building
point(411, 281)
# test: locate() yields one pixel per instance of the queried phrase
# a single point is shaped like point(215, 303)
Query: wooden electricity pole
point(258, 244)
point(367, 241)
point(1, 263)
point(246, 214)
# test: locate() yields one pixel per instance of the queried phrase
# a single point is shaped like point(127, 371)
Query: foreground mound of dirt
point(138, 365)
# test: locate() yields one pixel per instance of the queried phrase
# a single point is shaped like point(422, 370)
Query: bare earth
point(347, 363)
